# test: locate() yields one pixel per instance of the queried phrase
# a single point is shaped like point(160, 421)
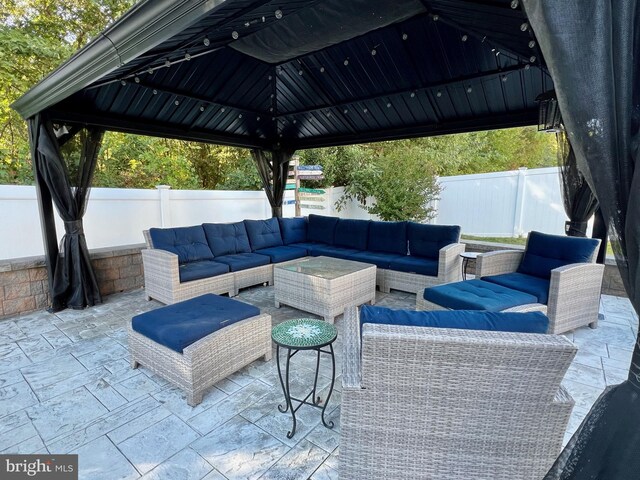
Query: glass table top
point(324, 267)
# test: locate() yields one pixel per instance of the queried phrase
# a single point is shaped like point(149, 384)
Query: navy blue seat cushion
point(477, 295)
point(536, 286)
point(201, 269)
point(283, 253)
point(389, 237)
point(411, 264)
point(263, 233)
point(333, 251)
point(227, 238)
point(352, 233)
point(545, 252)
point(189, 243)
point(530, 322)
point(242, 261)
point(293, 230)
point(321, 229)
point(307, 246)
point(426, 240)
point(379, 259)
point(179, 325)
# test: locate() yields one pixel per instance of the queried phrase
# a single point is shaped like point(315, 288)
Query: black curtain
point(74, 283)
point(273, 167)
point(579, 201)
point(591, 48)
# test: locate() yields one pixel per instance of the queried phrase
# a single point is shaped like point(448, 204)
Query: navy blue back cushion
point(426, 240)
point(293, 230)
point(263, 233)
point(179, 325)
point(388, 237)
point(227, 238)
point(189, 243)
point(321, 229)
point(545, 252)
point(530, 322)
point(352, 233)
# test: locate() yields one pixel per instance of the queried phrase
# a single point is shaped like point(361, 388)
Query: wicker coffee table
point(324, 285)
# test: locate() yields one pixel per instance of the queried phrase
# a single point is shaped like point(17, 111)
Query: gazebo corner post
point(45, 208)
point(273, 167)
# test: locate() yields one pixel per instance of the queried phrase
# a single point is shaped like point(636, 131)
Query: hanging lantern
point(549, 117)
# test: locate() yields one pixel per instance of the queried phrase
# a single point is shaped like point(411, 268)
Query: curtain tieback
point(575, 229)
point(74, 227)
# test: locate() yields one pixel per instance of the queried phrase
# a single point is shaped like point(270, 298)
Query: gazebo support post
point(45, 209)
point(273, 167)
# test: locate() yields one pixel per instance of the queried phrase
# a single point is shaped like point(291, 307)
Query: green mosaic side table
point(304, 334)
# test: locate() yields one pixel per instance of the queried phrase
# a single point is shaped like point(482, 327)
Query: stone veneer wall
point(24, 286)
point(611, 282)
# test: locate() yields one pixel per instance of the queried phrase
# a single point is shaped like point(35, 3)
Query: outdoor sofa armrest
point(574, 296)
point(352, 361)
point(160, 266)
point(498, 262)
point(450, 263)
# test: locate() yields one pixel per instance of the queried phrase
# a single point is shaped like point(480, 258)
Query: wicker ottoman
point(198, 342)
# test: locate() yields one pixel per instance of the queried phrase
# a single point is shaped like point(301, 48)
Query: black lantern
point(549, 117)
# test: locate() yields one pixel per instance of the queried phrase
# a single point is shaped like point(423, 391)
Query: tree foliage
point(36, 36)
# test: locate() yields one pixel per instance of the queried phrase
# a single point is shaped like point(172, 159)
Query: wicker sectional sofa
point(184, 262)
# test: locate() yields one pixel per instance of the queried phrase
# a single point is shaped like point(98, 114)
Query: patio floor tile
point(101, 460)
point(240, 450)
point(152, 446)
point(66, 385)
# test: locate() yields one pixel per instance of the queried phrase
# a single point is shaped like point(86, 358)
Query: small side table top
point(466, 256)
point(304, 333)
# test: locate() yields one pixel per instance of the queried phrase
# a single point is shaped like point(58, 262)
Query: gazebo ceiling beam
point(450, 82)
point(515, 119)
point(197, 98)
point(142, 127)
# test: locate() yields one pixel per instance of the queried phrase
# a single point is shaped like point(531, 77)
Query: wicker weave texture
point(322, 296)
point(208, 360)
point(449, 270)
point(451, 404)
point(162, 279)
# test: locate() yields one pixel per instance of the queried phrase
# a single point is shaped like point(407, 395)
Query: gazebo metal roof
point(301, 73)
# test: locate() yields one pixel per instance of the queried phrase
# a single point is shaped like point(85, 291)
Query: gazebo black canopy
point(281, 75)
point(296, 74)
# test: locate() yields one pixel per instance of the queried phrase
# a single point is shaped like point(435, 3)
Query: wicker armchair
point(425, 403)
point(162, 278)
point(574, 290)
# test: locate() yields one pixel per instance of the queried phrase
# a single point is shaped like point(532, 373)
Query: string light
point(167, 63)
point(136, 79)
point(345, 111)
point(177, 102)
point(532, 58)
point(206, 42)
point(465, 38)
point(235, 35)
point(365, 110)
point(155, 92)
point(413, 94)
point(150, 71)
point(514, 4)
point(346, 62)
point(373, 52)
point(202, 108)
point(388, 105)
point(524, 27)
point(532, 44)
point(439, 93)
point(278, 14)
point(469, 89)
point(300, 72)
point(123, 83)
point(321, 69)
point(240, 116)
point(404, 36)
point(258, 118)
point(436, 18)
point(187, 57)
point(222, 109)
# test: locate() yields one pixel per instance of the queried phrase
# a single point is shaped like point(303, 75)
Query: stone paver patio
point(66, 387)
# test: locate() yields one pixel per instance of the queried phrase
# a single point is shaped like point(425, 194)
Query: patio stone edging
point(24, 286)
point(611, 282)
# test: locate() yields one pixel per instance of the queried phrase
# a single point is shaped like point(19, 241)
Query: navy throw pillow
point(321, 229)
point(426, 240)
point(227, 238)
point(189, 243)
point(293, 230)
point(263, 233)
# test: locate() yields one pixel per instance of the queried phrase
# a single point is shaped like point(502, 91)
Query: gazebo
point(278, 76)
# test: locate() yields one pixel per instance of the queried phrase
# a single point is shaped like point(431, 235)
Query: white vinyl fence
point(495, 204)
point(503, 204)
